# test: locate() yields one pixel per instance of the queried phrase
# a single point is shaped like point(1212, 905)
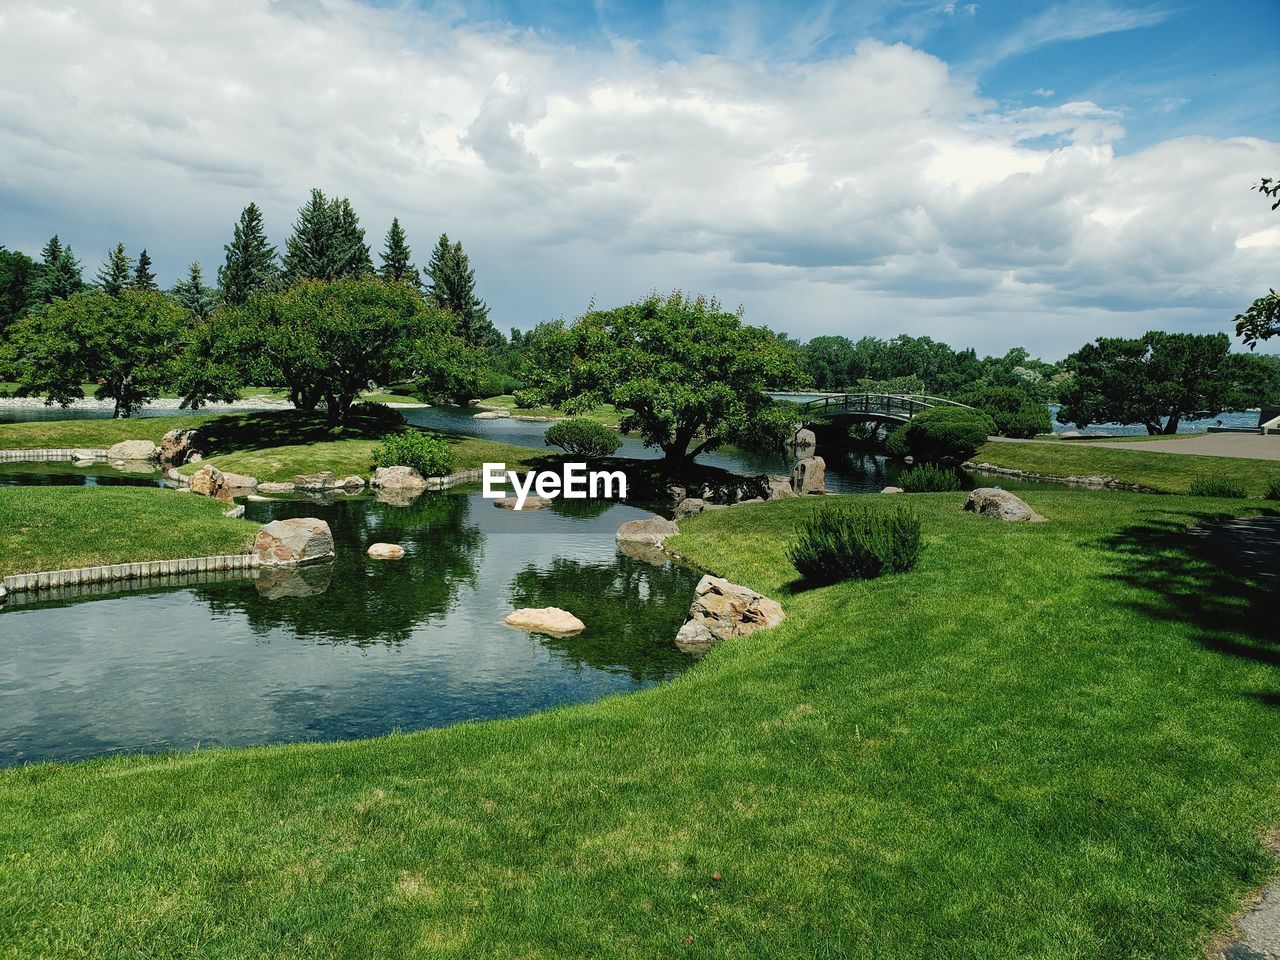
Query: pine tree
point(143, 277)
point(251, 261)
point(113, 276)
point(351, 253)
point(396, 265)
point(327, 242)
point(194, 295)
point(58, 274)
point(452, 285)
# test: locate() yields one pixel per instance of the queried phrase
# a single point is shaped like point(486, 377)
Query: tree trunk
point(1171, 425)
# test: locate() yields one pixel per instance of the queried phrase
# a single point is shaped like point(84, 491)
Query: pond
point(355, 648)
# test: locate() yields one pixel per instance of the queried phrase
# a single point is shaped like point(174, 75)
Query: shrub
point(376, 412)
point(926, 478)
point(1217, 487)
point(429, 455)
point(526, 399)
point(846, 542)
point(895, 444)
point(583, 438)
point(1273, 488)
point(1014, 412)
point(947, 433)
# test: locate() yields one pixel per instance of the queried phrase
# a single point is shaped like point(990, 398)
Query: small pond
point(355, 648)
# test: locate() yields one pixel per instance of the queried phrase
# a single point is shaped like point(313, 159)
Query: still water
point(355, 648)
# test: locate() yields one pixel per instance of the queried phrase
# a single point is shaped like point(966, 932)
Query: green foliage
point(583, 438)
point(192, 294)
point(895, 443)
point(686, 375)
point(1217, 487)
point(928, 478)
point(451, 285)
point(327, 242)
point(526, 399)
point(250, 265)
point(854, 542)
point(1273, 489)
point(1262, 320)
point(1015, 412)
point(397, 266)
point(144, 277)
point(130, 342)
point(429, 455)
point(1157, 379)
point(113, 275)
point(16, 273)
point(57, 275)
point(947, 433)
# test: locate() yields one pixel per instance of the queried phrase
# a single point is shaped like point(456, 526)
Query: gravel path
point(1250, 446)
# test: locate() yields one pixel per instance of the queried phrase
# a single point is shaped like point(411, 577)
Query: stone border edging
point(79, 576)
point(1091, 482)
point(52, 455)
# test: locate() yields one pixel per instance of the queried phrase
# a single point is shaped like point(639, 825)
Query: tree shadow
point(1221, 576)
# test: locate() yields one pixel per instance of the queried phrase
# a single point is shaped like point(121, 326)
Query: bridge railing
point(877, 404)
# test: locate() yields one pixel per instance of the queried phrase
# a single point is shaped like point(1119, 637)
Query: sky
point(990, 174)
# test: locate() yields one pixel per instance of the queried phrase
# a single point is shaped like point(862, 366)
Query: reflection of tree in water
point(632, 610)
point(363, 601)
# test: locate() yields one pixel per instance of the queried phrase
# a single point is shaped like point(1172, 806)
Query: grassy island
point(1052, 740)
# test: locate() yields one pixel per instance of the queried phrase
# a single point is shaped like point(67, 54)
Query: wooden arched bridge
point(877, 407)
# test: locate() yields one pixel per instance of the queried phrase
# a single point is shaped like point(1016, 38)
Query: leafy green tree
point(945, 433)
point(452, 285)
point(58, 275)
point(16, 273)
point(192, 293)
point(327, 242)
point(688, 375)
point(1262, 320)
point(1156, 380)
point(828, 362)
point(250, 265)
point(397, 266)
point(1015, 412)
point(143, 276)
point(129, 342)
point(113, 275)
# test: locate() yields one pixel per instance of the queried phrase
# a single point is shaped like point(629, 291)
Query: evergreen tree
point(396, 265)
point(194, 295)
point(17, 271)
point(143, 277)
point(327, 242)
point(452, 285)
point(251, 261)
point(351, 254)
point(57, 276)
point(113, 276)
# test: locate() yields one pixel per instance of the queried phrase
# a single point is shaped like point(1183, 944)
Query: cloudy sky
point(991, 174)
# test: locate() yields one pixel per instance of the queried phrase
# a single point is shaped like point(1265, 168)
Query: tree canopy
point(251, 264)
point(451, 284)
point(327, 242)
point(114, 274)
point(58, 275)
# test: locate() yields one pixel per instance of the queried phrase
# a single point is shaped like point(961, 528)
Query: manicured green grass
point(47, 434)
point(606, 413)
point(1166, 472)
point(1049, 740)
point(58, 528)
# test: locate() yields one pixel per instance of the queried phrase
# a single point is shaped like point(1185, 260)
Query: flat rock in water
point(239, 481)
point(1001, 504)
point(652, 530)
point(545, 620)
point(530, 503)
point(398, 478)
point(297, 540)
point(323, 480)
point(132, 450)
point(721, 611)
point(492, 415)
point(386, 551)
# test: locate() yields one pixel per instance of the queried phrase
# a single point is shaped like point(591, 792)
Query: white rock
point(133, 450)
point(530, 503)
point(652, 530)
point(545, 620)
point(386, 551)
point(294, 541)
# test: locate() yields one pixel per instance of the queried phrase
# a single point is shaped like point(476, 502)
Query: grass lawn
point(1050, 740)
point(1167, 472)
point(606, 413)
point(57, 528)
point(48, 434)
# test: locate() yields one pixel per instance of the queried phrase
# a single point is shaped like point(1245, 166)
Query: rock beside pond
point(530, 503)
point(804, 437)
point(209, 481)
point(239, 481)
point(780, 489)
point(297, 540)
point(351, 483)
point(322, 480)
point(399, 478)
point(273, 486)
point(691, 505)
point(893, 490)
point(809, 476)
point(545, 620)
point(83, 453)
point(1001, 504)
point(492, 415)
point(386, 551)
point(235, 513)
point(132, 450)
point(721, 611)
point(177, 445)
point(652, 530)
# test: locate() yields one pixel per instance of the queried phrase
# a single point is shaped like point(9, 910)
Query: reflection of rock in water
point(397, 496)
point(644, 552)
point(134, 466)
point(281, 582)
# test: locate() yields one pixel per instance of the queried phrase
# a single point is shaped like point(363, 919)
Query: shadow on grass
point(1221, 576)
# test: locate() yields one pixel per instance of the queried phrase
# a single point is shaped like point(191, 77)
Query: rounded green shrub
point(583, 438)
point(526, 399)
point(851, 542)
point(947, 433)
point(1014, 412)
point(1217, 487)
point(927, 478)
point(895, 444)
point(429, 455)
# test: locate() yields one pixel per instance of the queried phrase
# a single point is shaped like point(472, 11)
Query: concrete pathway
point(1259, 930)
point(1250, 446)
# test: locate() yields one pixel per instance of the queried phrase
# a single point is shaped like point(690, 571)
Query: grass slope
point(57, 528)
point(54, 434)
point(1167, 472)
point(606, 413)
point(1050, 740)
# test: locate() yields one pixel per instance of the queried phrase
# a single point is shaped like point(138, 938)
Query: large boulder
point(893, 490)
point(1001, 504)
point(809, 476)
point(132, 450)
point(804, 437)
point(398, 478)
point(274, 486)
point(209, 481)
point(780, 489)
point(177, 445)
point(689, 506)
point(652, 530)
point(323, 480)
point(295, 541)
point(722, 610)
point(385, 551)
point(239, 481)
point(492, 415)
point(545, 620)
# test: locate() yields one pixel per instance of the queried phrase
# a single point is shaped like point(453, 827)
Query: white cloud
point(871, 193)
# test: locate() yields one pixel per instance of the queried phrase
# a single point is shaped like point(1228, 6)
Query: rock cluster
point(177, 445)
point(722, 610)
point(1001, 504)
